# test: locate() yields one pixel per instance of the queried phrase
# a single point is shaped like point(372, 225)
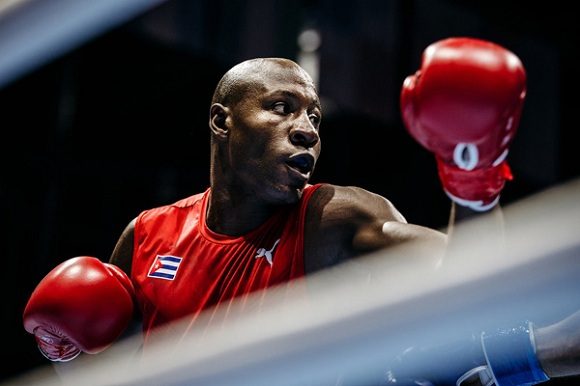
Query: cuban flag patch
point(165, 267)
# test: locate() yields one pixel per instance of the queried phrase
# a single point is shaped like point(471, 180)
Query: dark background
point(119, 124)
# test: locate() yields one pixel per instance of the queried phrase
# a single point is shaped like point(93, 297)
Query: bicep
point(346, 222)
point(377, 234)
point(122, 255)
point(375, 223)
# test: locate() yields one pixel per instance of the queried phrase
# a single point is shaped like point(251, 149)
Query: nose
point(304, 134)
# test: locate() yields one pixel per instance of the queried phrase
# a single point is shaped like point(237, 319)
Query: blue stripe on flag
point(170, 258)
point(162, 275)
point(165, 267)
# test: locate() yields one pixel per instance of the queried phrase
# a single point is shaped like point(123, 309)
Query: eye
point(315, 119)
point(281, 108)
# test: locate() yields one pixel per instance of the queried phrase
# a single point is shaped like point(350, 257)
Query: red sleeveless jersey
point(180, 267)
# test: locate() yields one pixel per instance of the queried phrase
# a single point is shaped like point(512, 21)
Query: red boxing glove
point(83, 305)
point(464, 105)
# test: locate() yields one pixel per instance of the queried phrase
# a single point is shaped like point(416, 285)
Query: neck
point(232, 210)
point(235, 214)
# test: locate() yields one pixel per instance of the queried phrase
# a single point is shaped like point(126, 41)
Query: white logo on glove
point(466, 156)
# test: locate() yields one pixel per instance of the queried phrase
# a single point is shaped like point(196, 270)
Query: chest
point(187, 273)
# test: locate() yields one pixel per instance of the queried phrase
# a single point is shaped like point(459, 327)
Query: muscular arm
point(122, 255)
point(346, 222)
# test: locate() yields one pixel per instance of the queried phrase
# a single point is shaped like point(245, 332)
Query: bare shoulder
point(334, 204)
point(122, 255)
point(335, 216)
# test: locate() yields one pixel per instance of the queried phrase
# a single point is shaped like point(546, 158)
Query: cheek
point(251, 152)
point(268, 143)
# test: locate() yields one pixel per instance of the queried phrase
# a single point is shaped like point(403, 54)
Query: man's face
point(274, 142)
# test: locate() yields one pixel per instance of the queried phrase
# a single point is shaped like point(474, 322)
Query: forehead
point(285, 78)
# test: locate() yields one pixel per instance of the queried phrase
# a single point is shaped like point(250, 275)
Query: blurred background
point(116, 121)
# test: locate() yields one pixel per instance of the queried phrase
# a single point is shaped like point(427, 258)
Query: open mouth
point(304, 163)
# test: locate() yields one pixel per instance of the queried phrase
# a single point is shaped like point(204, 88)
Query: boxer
point(261, 223)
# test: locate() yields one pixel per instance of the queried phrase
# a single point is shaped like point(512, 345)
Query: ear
point(218, 116)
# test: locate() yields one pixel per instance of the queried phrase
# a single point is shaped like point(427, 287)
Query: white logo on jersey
point(267, 253)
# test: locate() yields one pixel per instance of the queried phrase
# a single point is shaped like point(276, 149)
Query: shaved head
point(250, 74)
point(264, 112)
